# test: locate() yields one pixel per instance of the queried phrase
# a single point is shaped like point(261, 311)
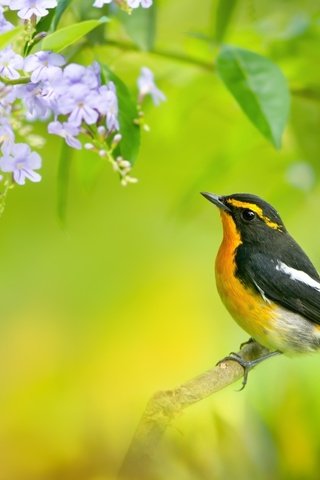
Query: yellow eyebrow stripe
point(256, 209)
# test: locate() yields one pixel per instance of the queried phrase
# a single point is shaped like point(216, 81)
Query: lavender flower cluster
point(39, 8)
point(70, 97)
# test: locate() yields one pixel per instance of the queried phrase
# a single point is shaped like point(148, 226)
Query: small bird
point(265, 279)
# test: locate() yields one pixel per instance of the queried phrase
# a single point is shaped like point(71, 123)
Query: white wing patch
point(298, 275)
point(262, 293)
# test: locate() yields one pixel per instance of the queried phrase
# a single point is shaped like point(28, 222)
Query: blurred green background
point(121, 302)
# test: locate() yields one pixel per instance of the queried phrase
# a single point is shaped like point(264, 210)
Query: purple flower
point(100, 3)
point(147, 86)
point(108, 105)
point(137, 3)
point(75, 74)
point(36, 103)
point(49, 96)
point(28, 8)
point(8, 96)
point(6, 132)
point(18, 159)
point(81, 104)
point(10, 62)
point(95, 70)
point(66, 131)
point(43, 65)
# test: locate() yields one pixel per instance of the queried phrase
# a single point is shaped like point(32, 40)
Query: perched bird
point(265, 279)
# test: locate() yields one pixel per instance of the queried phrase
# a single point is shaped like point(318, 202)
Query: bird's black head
point(253, 218)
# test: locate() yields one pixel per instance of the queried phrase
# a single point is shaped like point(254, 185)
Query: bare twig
point(164, 406)
point(167, 54)
point(209, 66)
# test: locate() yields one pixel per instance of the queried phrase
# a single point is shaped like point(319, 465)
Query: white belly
point(292, 333)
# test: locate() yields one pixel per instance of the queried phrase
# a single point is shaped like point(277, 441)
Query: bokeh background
point(120, 301)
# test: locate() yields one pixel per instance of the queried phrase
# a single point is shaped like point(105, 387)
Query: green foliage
point(259, 87)
point(223, 18)
point(47, 24)
point(50, 22)
point(128, 117)
point(58, 11)
point(141, 26)
point(66, 36)
point(10, 36)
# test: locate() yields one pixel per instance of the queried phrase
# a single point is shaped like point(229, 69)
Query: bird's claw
point(245, 364)
point(243, 344)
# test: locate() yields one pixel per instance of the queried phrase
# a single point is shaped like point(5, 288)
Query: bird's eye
point(248, 215)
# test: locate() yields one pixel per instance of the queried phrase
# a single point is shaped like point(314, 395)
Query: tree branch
point(164, 406)
point(168, 54)
point(209, 66)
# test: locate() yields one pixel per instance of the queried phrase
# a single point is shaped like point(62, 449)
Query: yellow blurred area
point(121, 302)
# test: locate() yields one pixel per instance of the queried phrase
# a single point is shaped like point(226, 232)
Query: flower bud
point(117, 138)
point(88, 146)
point(132, 180)
point(125, 164)
point(102, 130)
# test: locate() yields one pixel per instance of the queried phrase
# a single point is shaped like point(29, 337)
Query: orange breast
point(247, 307)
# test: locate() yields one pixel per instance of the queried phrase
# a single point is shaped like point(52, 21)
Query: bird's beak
point(217, 200)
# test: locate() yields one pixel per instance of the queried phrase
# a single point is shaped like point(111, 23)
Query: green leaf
point(86, 12)
point(63, 38)
point(59, 10)
point(42, 27)
point(128, 114)
point(224, 13)
point(9, 36)
point(63, 181)
point(47, 24)
point(260, 89)
point(50, 21)
point(140, 26)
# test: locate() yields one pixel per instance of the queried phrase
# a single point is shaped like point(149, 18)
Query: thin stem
point(208, 66)
point(307, 93)
point(180, 57)
point(15, 81)
point(3, 196)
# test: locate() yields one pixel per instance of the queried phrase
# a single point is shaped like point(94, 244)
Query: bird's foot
point(243, 344)
point(247, 365)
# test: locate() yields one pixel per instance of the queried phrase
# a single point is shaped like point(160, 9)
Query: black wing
point(261, 273)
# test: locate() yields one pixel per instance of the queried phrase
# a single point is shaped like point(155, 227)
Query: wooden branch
point(164, 406)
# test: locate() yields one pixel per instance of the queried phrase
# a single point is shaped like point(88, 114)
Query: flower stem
point(180, 57)
point(310, 93)
point(3, 196)
point(16, 81)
